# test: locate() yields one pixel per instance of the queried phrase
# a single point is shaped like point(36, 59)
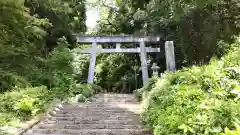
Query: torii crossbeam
point(118, 40)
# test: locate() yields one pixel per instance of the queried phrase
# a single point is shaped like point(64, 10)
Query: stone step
point(104, 114)
point(89, 132)
point(91, 104)
point(90, 126)
point(92, 101)
point(74, 111)
point(128, 121)
point(89, 113)
point(96, 105)
point(89, 118)
point(84, 120)
point(92, 107)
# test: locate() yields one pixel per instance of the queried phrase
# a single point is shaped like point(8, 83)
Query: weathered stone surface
point(119, 50)
point(116, 39)
point(109, 114)
point(91, 132)
point(170, 56)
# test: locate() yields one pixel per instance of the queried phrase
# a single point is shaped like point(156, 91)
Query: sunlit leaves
point(140, 15)
point(118, 2)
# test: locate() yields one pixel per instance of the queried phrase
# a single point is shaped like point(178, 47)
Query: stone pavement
point(106, 114)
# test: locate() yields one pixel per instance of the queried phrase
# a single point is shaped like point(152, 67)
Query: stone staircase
point(106, 114)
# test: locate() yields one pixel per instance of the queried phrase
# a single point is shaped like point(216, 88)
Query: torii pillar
point(144, 66)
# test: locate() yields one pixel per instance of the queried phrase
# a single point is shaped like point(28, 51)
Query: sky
point(93, 12)
point(92, 17)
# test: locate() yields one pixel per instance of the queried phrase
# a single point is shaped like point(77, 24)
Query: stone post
point(170, 56)
point(92, 63)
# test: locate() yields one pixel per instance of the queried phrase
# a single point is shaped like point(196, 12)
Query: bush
point(144, 91)
point(9, 81)
point(83, 89)
point(81, 98)
point(24, 103)
point(86, 89)
point(236, 131)
point(78, 89)
point(197, 100)
point(96, 88)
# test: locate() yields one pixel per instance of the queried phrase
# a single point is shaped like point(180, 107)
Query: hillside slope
point(197, 100)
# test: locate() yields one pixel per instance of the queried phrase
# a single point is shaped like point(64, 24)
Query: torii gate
point(118, 40)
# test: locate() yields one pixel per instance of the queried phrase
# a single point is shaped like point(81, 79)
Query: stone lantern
point(155, 69)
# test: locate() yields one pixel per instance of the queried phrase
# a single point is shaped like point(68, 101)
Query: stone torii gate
point(118, 40)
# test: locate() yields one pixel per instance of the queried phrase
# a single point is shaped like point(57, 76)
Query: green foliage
point(20, 37)
point(59, 63)
point(116, 73)
point(200, 29)
point(197, 100)
point(23, 103)
point(83, 92)
point(61, 57)
point(25, 63)
point(80, 65)
point(10, 81)
point(66, 17)
point(35, 61)
point(236, 131)
point(30, 31)
point(96, 88)
point(81, 98)
point(141, 93)
point(78, 89)
point(197, 27)
point(87, 91)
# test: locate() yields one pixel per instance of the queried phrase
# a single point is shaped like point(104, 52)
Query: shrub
point(96, 88)
point(78, 89)
point(86, 89)
point(140, 92)
point(87, 92)
point(23, 103)
point(9, 81)
point(81, 98)
point(197, 100)
point(236, 131)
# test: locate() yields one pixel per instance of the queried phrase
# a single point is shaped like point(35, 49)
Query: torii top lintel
point(117, 39)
